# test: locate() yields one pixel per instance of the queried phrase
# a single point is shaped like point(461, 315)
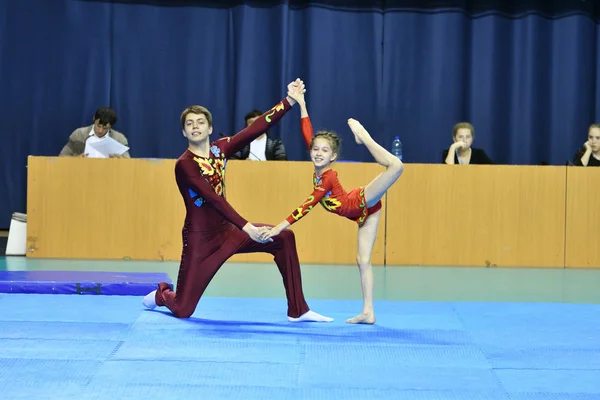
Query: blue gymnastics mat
point(109, 347)
point(81, 282)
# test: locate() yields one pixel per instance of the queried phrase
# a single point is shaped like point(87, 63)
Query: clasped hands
point(266, 233)
point(261, 234)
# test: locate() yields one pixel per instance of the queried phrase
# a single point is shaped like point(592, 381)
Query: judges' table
point(434, 215)
point(477, 215)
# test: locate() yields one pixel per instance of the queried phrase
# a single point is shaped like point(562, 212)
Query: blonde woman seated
point(589, 156)
point(461, 152)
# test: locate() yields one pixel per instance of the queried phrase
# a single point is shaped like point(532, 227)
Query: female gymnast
point(362, 205)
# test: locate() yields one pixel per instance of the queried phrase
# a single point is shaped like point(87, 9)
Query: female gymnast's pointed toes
point(360, 133)
point(150, 300)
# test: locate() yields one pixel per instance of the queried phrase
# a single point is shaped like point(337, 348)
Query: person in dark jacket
point(263, 148)
point(589, 155)
point(461, 152)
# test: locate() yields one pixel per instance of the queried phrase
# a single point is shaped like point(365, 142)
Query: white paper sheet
point(108, 146)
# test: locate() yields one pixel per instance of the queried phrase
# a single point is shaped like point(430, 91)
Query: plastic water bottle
point(397, 147)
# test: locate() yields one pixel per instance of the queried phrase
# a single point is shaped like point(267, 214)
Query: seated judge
point(81, 141)
point(589, 155)
point(461, 152)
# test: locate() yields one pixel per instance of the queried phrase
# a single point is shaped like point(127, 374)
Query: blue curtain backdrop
point(524, 73)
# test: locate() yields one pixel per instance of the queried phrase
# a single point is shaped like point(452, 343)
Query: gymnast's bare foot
point(360, 133)
point(310, 316)
point(362, 318)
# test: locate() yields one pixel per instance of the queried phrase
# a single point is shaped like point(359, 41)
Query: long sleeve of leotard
point(196, 182)
point(312, 200)
point(235, 143)
point(307, 130)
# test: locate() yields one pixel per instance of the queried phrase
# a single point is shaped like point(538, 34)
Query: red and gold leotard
point(329, 192)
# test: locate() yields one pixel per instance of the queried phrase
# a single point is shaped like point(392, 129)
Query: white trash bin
point(17, 235)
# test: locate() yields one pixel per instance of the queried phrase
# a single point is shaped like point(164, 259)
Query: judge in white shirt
point(263, 148)
point(81, 141)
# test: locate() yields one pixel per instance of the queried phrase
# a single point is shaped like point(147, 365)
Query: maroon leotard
point(212, 229)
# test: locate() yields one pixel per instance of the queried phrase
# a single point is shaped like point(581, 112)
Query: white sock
point(150, 300)
point(310, 316)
